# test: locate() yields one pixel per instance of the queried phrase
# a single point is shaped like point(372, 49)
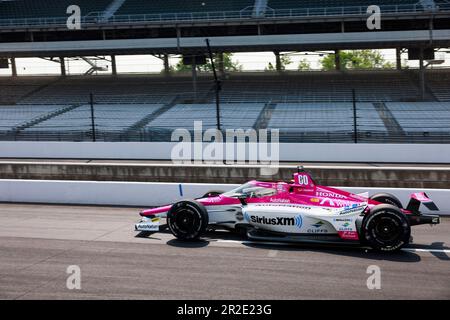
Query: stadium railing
point(95, 18)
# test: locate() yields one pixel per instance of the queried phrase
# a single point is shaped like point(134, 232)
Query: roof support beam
point(398, 56)
point(337, 59)
point(113, 65)
point(13, 67)
point(62, 63)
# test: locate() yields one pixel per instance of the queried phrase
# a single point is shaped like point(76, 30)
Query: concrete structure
point(297, 152)
point(334, 175)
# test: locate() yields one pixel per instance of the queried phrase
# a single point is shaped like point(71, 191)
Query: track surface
point(39, 242)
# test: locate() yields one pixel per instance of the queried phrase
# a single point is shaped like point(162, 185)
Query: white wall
point(148, 194)
point(298, 152)
point(27, 49)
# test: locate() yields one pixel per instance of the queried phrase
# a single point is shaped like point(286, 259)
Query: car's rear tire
point(187, 220)
point(385, 228)
point(212, 193)
point(387, 198)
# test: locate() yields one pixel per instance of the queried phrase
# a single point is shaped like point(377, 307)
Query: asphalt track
point(39, 242)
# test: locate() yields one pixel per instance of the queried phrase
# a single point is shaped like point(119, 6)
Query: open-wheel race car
point(296, 211)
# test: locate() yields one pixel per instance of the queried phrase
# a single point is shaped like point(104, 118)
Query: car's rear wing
point(417, 199)
point(303, 179)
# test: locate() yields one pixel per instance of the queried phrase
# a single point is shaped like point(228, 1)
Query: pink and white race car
point(295, 211)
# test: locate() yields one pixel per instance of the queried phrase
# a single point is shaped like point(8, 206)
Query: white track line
point(290, 244)
point(426, 250)
point(255, 242)
point(272, 253)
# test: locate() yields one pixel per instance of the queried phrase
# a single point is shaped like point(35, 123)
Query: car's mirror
point(243, 199)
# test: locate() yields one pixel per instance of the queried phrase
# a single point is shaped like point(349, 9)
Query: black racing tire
point(385, 228)
point(187, 220)
point(387, 198)
point(212, 193)
point(241, 231)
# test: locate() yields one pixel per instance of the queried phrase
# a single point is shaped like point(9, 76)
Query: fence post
point(91, 100)
point(355, 123)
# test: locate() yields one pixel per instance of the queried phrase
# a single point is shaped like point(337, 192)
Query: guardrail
point(93, 19)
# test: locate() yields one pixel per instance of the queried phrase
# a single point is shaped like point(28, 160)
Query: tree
point(228, 64)
point(180, 67)
point(284, 60)
point(304, 65)
point(357, 59)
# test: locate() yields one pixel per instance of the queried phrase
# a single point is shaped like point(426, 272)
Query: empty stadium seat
point(17, 9)
point(111, 121)
point(232, 116)
point(176, 6)
point(281, 8)
point(296, 4)
point(422, 117)
point(13, 116)
point(314, 121)
point(123, 89)
point(370, 86)
point(438, 82)
point(304, 106)
point(320, 87)
point(12, 90)
point(107, 118)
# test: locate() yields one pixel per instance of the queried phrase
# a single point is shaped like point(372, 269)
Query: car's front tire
point(385, 228)
point(187, 220)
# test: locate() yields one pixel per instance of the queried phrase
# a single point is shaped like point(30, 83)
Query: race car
point(295, 211)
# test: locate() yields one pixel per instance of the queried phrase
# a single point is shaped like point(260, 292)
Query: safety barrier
point(148, 194)
point(296, 152)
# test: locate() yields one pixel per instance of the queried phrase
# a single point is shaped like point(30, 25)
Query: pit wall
point(142, 194)
point(405, 176)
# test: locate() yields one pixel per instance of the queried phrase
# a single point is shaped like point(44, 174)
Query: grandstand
point(173, 6)
point(238, 115)
point(201, 9)
point(438, 82)
point(16, 116)
point(398, 105)
point(74, 124)
point(313, 86)
point(53, 12)
point(421, 118)
point(123, 89)
point(23, 9)
point(321, 87)
point(324, 118)
point(14, 89)
point(333, 4)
